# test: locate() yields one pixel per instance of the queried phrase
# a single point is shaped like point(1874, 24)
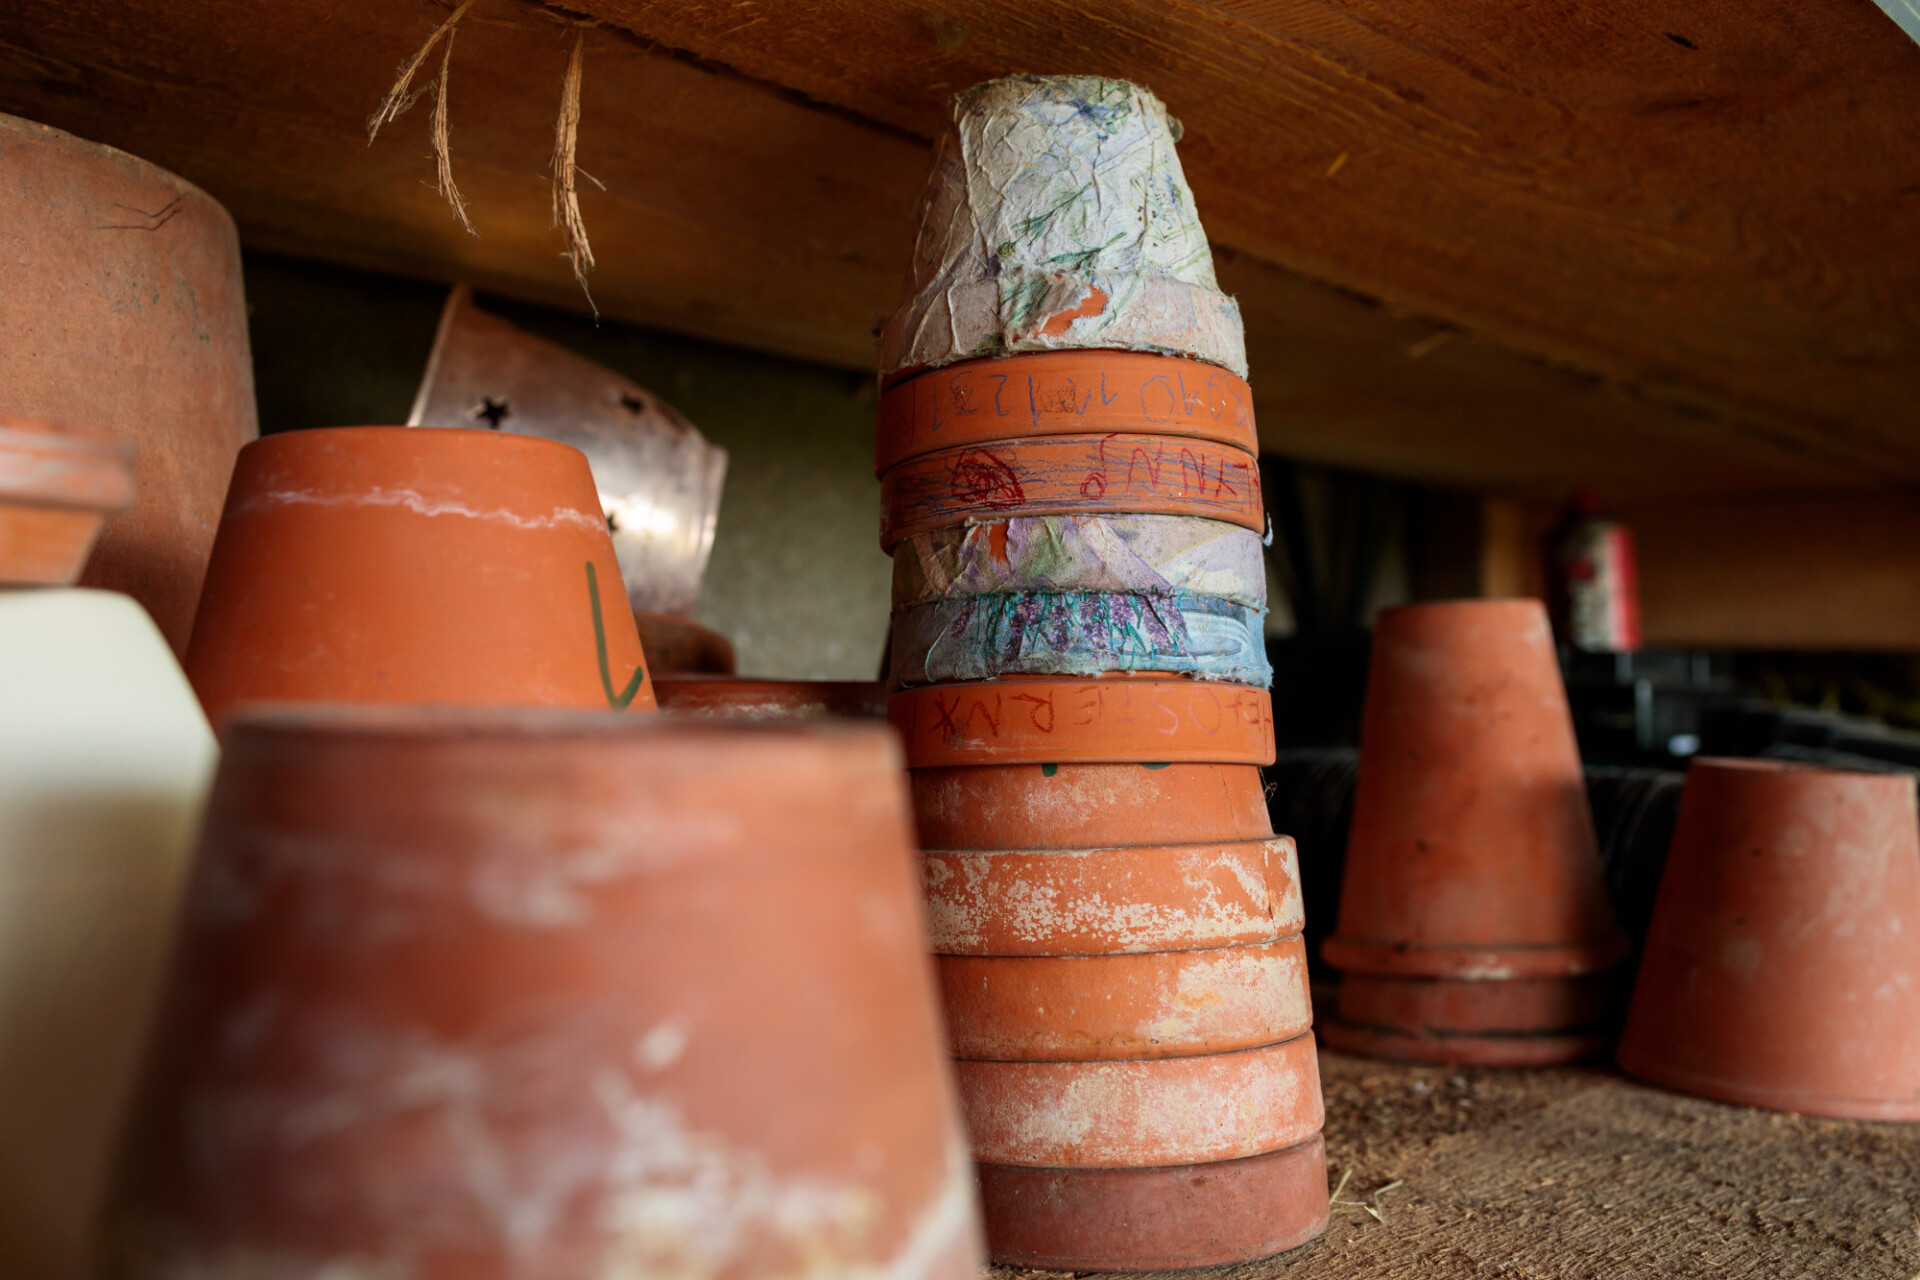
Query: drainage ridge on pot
point(1782, 966)
point(521, 979)
point(395, 565)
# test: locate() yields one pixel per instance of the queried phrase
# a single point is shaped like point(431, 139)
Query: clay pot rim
point(1482, 964)
point(429, 437)
point(766, 682)
point(1734, 766)
point(1095, 850)
point(61, 466)
point(1489, 607)
point(900, 377)
point(1510, 1049)
point(394, 722)
point(1798, 1101)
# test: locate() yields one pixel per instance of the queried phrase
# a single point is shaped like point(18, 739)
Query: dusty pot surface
point(1114, 719)
point(1063, 393)
point(1130, 899)
point(57, 487)
point(105, 759)
point(736, 698)
point(391, 565)
point(1079, 806)
point(1782, 966)
point(123, 309)
point(1193, 1215)
point(1064, 475)
point(1151, 1111)
point(527, 994)
point(1159, 1004)
point(1472, 851)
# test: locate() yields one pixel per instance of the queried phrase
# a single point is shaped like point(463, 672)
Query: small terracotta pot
point(57, 488)
point(393, 565)
point(1080, 806)
point(1065, 475)
point(1154, 1111)
point(733, 698)
point(1063, 393)
point(1472, 853)
point(1131, 899)
point(1782, 966)
point(675, 644)
point(499, 994)
point(1162, 1219)
point(1516, 1022)
point(1109, 720)
point(1162, 1004)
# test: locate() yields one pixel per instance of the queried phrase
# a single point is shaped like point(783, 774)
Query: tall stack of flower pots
point(1066, 450)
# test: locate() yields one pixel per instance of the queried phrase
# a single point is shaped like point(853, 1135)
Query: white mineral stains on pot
point(419, 504)
point(1228, 991)
point(1135, 1113)
point(519, 878)
point(259, 1264)
point(663, 1045)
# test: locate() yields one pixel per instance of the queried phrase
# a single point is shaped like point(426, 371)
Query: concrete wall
point(797, 579)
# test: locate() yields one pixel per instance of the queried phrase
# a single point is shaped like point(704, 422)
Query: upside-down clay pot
point(480, 995)
point(1782, 966)
point(1156, 1219)
point(1472, 851)
point(123, 309)
point(393, 565)
point(735, 698)
point(1049, 806)
point(104, 760)
point(1515, 1022)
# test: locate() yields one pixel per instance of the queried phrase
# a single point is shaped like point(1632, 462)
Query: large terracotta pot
point(104, 759)
point(123, 310)
point(1063, 393)
point(1472, 856)
point(505, 994)
point(1078, 806)
point(383, 564)
point(1782, 967)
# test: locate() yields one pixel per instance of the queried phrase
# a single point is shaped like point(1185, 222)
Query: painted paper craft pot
point(1158, 1219)
point(389, 565)
point(1472, 853)
point(104, 759)
point(1782, 967)
point(1079, 806)
point(488, 995)
point(123, 309)
point(735, 698)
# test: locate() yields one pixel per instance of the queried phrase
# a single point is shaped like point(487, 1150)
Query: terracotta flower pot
point(1782, 967)
point(1160, 1219)
point(1129, 899)
point(680, 645)
point(1160, 1004)
point(1063, 393)
point(1142, 1113)
point(1106, 720)
point(1068, 806)
point(733, 698)
point(123, 309)
point(1517, 1022)
point(466, 995)
point(1472, 853)
point(1064, 475)
point(57, 488)
point(391, 565)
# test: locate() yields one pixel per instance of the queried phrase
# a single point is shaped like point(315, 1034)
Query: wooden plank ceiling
point(1655, 248)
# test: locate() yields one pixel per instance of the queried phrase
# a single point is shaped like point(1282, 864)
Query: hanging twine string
point(566, 196)
point(399, 101)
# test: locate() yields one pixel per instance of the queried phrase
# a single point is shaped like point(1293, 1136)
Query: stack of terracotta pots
point(1474, 919)
point(1066, 450)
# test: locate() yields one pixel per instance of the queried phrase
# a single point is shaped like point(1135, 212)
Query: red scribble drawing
point(1094, 484)
point(984, 478)
point(1039, 705)
point(1087, 700)
point(1199, 698)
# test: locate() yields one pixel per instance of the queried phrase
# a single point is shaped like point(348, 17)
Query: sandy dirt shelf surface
point(1578, 1174)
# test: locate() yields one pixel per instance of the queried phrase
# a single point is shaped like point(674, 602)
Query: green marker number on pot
point(618, 701)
